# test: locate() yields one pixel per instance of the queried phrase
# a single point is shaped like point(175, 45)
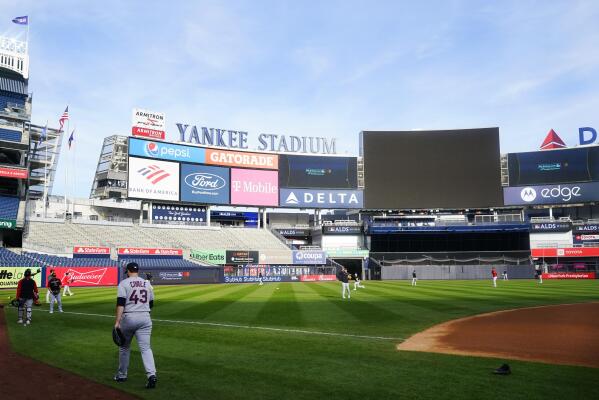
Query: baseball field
point(302, 341)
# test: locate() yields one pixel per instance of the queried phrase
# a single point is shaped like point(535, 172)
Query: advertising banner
point(270, 257)
point(254, 279)
point(254, 188)
point(581, 239)
point(587, 228)
point(153, 179)
point(242, 257)
point(552, 167)
point(10, 276)
point(84, 251)
point(550, 227)
point(569, 275)
point(148, 124)
point(353, 253)
point(242, 159)
point(342, 230)
point(204, 184)
point(163, 276)
point(551, 194)
point(312, 257)
point(166, 151)
point(139, 251)
point(217, 257)
point(308, 198)
point(8, 223)
point(566, 252)
point(318, 172)
point(88, 276)
point(294, 232)
point(317, 278)
point(15, 173)
point(168, 212)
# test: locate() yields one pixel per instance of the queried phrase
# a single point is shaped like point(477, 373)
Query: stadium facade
point(446, 204)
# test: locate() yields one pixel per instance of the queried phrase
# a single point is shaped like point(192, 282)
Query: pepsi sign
point(166, 151)
point(204, 184)
point(551, 194)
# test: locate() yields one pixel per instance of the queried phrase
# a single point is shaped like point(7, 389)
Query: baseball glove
point(15, 303)
point(118, 337)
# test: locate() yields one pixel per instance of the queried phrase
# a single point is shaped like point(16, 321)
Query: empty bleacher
point(157, 262)
point(9, 207)
point(10, 135)
point(63, 236)
point(9, 99)
point(35, 260)
point(10, 259)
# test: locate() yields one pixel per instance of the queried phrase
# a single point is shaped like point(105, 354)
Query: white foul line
point(260, 328)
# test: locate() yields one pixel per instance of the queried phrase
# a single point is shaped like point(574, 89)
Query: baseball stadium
point(430, 265)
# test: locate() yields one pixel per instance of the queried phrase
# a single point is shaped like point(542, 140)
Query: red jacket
point(494, 273)
point(26, 289)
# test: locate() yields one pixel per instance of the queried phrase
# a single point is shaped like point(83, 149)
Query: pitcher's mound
point(563, 334)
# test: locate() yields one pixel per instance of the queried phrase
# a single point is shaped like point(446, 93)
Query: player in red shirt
point(494, 273)
point(26, 294)
point(66, 281)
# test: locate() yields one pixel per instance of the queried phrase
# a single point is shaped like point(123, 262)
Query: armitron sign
point(148, 124)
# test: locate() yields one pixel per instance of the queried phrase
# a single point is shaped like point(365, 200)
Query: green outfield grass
point(231, 362)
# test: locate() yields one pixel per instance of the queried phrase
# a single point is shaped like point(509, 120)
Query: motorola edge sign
point(551, 194)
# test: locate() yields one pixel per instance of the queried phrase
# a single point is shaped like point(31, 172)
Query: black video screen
point(317, 172)
point(554, 166)
point(432, 169)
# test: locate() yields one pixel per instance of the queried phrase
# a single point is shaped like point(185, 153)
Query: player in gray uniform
point(135, 299)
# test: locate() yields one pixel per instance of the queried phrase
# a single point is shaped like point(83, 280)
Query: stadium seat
point(9, 207)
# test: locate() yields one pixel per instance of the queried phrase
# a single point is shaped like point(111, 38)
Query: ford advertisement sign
point(303, 198)
point(305, 257)
point(551, 194)
point(166, 151)
point(204, 184)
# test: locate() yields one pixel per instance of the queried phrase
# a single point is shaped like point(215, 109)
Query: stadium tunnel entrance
point(353, 265)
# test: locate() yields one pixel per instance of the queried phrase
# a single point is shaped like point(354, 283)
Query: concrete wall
point(455, 271)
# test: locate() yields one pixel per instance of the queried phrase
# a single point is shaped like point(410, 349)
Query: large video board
point(432, 169)
point(554, 166)
point(312, 172)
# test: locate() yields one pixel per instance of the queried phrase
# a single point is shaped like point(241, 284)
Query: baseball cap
point(133, 267)
point(27, 272)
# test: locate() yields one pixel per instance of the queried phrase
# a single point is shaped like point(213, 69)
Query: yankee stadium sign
point(232, 139)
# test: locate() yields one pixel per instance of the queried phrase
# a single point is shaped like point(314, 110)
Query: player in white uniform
point(135, 299)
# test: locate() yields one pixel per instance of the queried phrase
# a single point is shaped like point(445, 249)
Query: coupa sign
point(551, 194)
point(309, 257)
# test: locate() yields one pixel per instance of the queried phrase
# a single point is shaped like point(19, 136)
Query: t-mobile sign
point(254, 187)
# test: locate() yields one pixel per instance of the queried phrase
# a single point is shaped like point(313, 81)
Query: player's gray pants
point(137, 324)
point(344, 288)
point(25, 309)
point(55, 298)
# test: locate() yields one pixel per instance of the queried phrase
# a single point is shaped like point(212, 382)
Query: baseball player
point(414, 278)
point(66, 281)
point(135, 299)
point(358, 283)
point(505, 275)
point(539, 273)
point(494, 274)
point(260, 279)
point(48, 292)
point(26, 293)
point(54, 288)
point(343, 277)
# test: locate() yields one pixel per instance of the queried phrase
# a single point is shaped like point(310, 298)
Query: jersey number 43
point(143, 296)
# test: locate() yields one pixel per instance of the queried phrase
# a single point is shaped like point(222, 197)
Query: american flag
point(64, 117)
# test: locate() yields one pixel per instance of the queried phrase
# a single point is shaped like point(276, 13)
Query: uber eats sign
point(8, 223)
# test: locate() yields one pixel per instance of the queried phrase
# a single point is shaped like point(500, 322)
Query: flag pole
point(46, 170)
point(66, 176)
point(73, 164)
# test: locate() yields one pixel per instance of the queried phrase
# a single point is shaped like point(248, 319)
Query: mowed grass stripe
point(246, 311)
point(281, 308)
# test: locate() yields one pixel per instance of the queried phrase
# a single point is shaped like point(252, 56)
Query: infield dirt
point(562, 334)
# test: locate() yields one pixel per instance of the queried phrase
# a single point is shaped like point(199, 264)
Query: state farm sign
point(80, 250)
point(138, 251)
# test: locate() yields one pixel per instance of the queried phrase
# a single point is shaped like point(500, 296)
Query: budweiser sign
point(91, 250)
point(138, 251)
point(89, 276)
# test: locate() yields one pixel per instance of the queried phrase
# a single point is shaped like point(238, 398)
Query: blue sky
point(316, 68)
